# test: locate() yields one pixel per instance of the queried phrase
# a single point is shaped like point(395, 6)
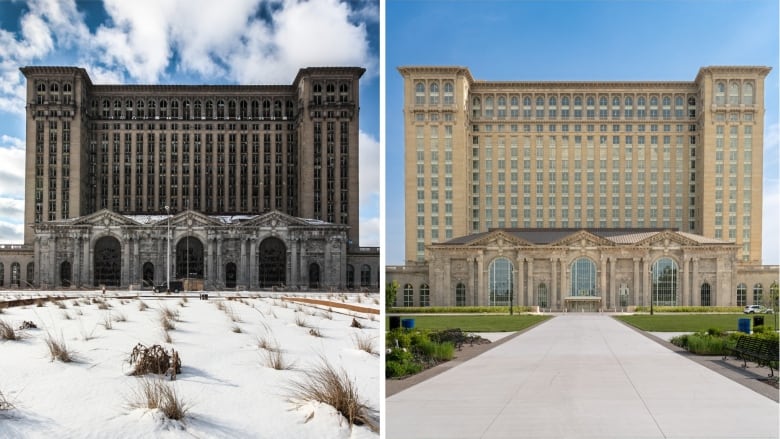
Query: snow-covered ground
point(226, 378)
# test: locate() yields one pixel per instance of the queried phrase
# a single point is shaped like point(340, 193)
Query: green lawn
point(477, 323)
point(690, 322)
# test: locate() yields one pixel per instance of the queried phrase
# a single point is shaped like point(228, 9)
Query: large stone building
point(106, 165)
point(513, 157)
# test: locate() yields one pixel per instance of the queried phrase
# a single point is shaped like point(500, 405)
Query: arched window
point(314, 275)
point(433, 98)
point(16, 274)
point(583, 277)
point(667, 101)
point(41, 87)
point(272, 262)
point(578, 101)
point(189, 258)
point(489, 106)
point(65, 274)
point(741, 294)
point(733, 93)
point(350, 276)
point(30, 274)
point(425, 295)
point(541, 296)
point(629, 101)
point(419, 93)
point(616, 101)
point(641, 101)
point(365, 276)
point(653, 101)
point(591, 102)
point(449, 93)
point(678, 101)
point(540, 101)
point(500, 282)
point(758, 294)
point(526, 101)
point(692, 101)
point(747, 93)
point(552, 101)
point(107, 262)
point(603, 101)
point(514, 102)
point(460, 294)
point(408, 295)
point(565, 100)
point(148, 274)
point(720, 93)
point(230, 275)
point(664, 282)
point(705, 294)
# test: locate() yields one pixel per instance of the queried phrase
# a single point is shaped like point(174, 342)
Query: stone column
point(137, 274)
point(242, 275)
point(53, 270)
point(219, 263)
point(604, 292)
point(125, 277)
point(76, 270)
point(647, 285)
point(613, 300)
point(553, 294)
point(470, 296)
point(293, 278)
point(564, 287)
point(520, 280)
point(253, 270)
point(530, 280)
point(208, 269)
point(686, 288)
point(478, 294)
point(695, 295)
point(446, 286)
point(637, 291)
point(326, 267)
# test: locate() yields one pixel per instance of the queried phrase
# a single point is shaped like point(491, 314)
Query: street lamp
point(168, 239)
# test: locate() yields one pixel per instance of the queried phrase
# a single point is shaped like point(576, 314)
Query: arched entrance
point(108, 262)
point(65, 274)
point(230, 275)
point(273, 262)
point(705, 294)
point(148, 274)
point(500, 282)
point(314, 275)
point(664, 282)
point(350, 276)
point(189, 258)
point(583, 295)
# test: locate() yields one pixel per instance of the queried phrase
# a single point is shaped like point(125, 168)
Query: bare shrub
point(61, 305)
point(315, 332)
point(7, 332)
point(142, 306)
point(119, 317)
point(166, 323)
point(39, 302)
point(103, 305)
point(356, 324)
point(267, 342)
point(300, 320)
point(154, 359)
point(276, 360)
point(79, 312)
point(156, 394)
point(171, 314)
point(334, 387)
point(108, 322)
point(220, 305)
point(75, 303)
point(27, 325)
point(236, 329)
point(231, 314)
point(167, 336)
point(58, 349)
point(364, 343)
point(86, 336)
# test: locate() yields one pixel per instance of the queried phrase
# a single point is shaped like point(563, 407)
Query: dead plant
point(334, 387)
point(315, 332)
point(59, 350)
point(5, 404)
point(7, 332)
point(356, 324)
point(154, 359)
point(300, 320)
point(156, 394)
point(364, 343)
point(142, 306)
point(276, 360)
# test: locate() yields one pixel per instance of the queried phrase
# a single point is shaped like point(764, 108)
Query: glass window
point(460, 295)
point(758, 293)
point(741, 295)
point(705, 294)
point(408, 295)
point(425, 295)
point(664, 282)
point(500, 282)
point(583, 277)
point(541, 296)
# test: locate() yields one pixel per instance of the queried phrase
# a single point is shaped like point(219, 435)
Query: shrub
point(315, 332)
point(58, 349)
point(327, 385)
point(142, 306)
point(300, 320)
point(119, 317)
point(170, 314)
point(356, 324)
point(156, 394)
point(27, 325)
point(276, 360)
point(166, 323)
point(236, 329)
point(154, 359)
point(7, 332)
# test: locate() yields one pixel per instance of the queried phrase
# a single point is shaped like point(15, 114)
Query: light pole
point(168, 253)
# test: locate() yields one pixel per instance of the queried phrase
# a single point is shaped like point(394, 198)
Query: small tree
point(391, 289)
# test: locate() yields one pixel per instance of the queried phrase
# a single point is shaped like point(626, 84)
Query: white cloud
point(771, 201)
point(369, 168)
point(369, 232)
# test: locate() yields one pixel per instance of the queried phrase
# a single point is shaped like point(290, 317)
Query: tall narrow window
point(460, 295)
point(500, 282)
point(664, 282)
point(425, 295)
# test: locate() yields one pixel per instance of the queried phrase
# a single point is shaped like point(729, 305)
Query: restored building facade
point(583, 270)
point(586, 195)
point(106, 163)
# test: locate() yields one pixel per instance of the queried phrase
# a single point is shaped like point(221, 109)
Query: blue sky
point(582, 41)
point(186, 42)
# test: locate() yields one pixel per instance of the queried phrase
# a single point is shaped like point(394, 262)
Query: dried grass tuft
point(356, 324)
point(7, 331)
point(59, 350)
point(156, 394)
point(276, 360)
point(315, 332)
point(5, 404)
point(334, 387)
point(300, 320)
point(365, 343)
point(142, 306)
point(154, 359)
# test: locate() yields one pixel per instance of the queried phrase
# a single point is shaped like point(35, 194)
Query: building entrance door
point(583, 304)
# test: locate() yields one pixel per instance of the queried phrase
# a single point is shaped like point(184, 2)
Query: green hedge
point(703, 309)
point(459, 309)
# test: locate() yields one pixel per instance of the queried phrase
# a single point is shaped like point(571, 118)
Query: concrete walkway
point(580, 376)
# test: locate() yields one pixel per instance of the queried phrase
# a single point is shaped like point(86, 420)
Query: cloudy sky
point(186, 42)
point(583, 40)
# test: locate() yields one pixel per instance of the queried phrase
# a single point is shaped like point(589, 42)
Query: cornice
point(436, 70)
point(762, 71)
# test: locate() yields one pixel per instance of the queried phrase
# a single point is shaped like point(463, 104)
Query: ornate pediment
point(190, 218)
point(105, 218)
point(276, 219)
point(498, 238)
point(666, 238)
point(582, 238)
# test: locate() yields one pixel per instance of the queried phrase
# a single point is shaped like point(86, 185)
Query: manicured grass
point(689, 322)
point(458, 309)
point(478, 323)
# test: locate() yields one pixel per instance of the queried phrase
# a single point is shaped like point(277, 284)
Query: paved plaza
point(580, 376)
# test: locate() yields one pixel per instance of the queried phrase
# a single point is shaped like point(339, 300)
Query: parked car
point(176, 286)
point(757, 309)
